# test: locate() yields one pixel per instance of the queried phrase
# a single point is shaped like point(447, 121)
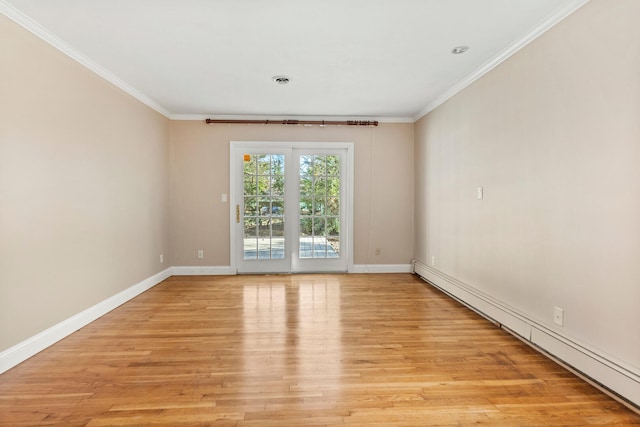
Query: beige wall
point(200, 175)
point(553, 136)
point(83, 187)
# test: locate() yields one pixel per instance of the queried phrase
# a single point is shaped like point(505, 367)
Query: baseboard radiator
point(621, 381)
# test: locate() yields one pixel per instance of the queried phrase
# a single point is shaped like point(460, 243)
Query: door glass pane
point(263, 183)
point(277, 164)
point(319, 206)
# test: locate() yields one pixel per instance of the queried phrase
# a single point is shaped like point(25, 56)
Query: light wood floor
point(321, 350)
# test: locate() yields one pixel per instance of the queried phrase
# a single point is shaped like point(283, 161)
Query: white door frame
point(347, 183)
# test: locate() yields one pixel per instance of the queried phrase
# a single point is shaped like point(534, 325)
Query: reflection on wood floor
point(297, 350)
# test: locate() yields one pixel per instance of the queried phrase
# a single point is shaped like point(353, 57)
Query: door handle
point(238, 214)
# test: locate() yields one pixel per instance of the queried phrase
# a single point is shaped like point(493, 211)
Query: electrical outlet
point(558, 316)
point(161, 258)
point(433, 260)
point(200, 253)
point(377, 251)
point(480, 193)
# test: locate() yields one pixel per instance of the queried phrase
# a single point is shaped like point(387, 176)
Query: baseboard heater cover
point(620, 380)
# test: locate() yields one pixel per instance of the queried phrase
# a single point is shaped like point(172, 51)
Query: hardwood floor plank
point(294, 350)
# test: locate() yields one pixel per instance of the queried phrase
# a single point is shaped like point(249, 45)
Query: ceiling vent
point(459, 49)
point(281, 80)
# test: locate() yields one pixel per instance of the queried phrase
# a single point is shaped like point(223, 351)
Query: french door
point(291, 207)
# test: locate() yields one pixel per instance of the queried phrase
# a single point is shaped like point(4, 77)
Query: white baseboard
point(618, 377)
point(202, 271)
point(24, 350)
point(227, 270)
point(382, 268)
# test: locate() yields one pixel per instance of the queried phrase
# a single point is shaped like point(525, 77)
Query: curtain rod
point(295, 122)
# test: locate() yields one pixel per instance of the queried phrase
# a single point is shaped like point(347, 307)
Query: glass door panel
point(319, 219)
point(263, 183)
point(319, 245)
point(289, 207)
point(263, 247)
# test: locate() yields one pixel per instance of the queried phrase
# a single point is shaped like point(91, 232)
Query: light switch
point(480, 193)
point(223, 198)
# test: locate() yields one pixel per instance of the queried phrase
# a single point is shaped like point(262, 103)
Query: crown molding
point(202, 117)
point(514, 47)
point(29, 24)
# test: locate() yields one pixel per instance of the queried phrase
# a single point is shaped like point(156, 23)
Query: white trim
point(202, 271)
point(233, 205)
point(29, 24)
point(382, 268)
point(24, 350)
point(202, 117)
point(229, 271)
point(349, 200)
point(236, 189)
point(481, 303)
point(614, 374)
point(592, 365)
point(507, 52)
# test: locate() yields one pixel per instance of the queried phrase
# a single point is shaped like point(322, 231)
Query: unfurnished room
point(303, 213)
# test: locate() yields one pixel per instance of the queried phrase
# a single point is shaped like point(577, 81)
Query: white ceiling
point(386, 59)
